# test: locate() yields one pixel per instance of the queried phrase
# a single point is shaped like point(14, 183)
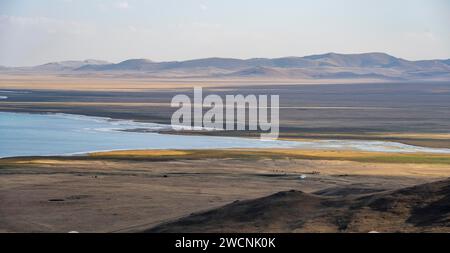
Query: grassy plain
point(130, 191)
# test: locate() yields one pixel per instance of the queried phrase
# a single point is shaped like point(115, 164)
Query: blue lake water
point(23, 134)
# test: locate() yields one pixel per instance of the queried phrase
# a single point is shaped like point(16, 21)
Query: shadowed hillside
point(423, 208)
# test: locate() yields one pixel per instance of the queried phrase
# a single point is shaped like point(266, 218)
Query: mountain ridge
point(330, 65)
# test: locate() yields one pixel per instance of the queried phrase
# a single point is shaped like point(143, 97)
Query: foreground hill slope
point(422, 208)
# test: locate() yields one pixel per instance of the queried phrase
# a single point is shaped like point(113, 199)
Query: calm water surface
point(23, 134)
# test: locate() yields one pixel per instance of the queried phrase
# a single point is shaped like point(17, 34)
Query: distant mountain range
point(323, 66)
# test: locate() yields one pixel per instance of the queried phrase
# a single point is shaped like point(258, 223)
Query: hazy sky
point(35, 32)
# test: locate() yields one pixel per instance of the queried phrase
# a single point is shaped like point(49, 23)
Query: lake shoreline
point(402, 123)
point(104, 126)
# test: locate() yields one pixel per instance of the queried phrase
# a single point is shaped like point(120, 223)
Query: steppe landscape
point(236, 190)
point(134, 191)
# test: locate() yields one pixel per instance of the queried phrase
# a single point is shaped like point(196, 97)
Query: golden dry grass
point(356, 156)
point(118, 82)
point(333, 163)
point(98, 190)
point(150, 153)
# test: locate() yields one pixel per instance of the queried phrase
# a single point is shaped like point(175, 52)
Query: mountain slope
point(372, 60)
point(67, 65)
point(376, 66)
point(423, 208)
point(132, 64)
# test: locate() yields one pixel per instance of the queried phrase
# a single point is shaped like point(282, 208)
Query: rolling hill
point(324, 66)
point(422, 208)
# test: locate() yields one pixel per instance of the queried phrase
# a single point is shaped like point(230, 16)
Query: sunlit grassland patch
point(237, 154)
point(370, 157)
